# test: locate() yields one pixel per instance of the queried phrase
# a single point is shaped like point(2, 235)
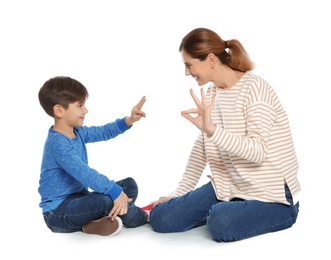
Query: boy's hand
point(120, 206)
point(136, 113)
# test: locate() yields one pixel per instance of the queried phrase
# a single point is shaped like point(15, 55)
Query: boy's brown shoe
point(103, 226)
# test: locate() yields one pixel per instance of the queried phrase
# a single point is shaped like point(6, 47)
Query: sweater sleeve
point(260, 117)
point(105, 132)
point(196, 164)
point(70, 162)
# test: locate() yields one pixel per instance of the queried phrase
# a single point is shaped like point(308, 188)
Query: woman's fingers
point(196, 100)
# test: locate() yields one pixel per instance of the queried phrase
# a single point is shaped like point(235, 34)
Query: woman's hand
point(202, 120)
point(162, 199)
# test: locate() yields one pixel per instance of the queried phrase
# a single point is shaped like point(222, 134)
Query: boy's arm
point(71, 163)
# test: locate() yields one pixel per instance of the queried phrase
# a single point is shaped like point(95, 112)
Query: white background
point(123, 50)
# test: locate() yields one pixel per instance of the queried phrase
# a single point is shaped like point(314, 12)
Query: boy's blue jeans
point(83, 207)
point(226, 220)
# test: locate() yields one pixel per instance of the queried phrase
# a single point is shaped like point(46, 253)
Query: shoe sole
point(103, 227)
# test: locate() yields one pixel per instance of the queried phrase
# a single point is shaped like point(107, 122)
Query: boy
point(75, 197)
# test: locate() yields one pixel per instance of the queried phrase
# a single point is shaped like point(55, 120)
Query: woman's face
point(199, 70)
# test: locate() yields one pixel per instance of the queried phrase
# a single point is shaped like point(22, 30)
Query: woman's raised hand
point(201, 115)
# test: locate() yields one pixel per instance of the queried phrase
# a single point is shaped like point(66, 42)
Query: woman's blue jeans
point(226, 220)
point(83, 207)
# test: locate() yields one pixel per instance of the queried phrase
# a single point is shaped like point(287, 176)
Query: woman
point(246, 140)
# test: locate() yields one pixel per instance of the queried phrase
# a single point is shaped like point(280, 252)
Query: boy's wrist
point(129, 121)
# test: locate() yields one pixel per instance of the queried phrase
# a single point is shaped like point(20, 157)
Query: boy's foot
point(103, 226)
point(148, 209)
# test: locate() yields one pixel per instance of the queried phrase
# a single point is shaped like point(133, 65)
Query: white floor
point(28, 236)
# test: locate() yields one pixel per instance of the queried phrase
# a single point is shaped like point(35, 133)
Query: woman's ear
point(211, 59)
point(58, 110)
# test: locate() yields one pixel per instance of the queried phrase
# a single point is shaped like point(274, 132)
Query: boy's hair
point(61, 91)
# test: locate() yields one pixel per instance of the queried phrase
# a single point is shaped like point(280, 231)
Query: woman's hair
point(62, 91)
point(201, 41)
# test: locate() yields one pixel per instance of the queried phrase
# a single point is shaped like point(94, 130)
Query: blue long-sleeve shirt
point(65, 169)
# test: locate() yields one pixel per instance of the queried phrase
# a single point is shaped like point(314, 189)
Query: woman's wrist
point(211, 131)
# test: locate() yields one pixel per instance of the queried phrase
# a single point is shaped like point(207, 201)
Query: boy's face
point(74, 115)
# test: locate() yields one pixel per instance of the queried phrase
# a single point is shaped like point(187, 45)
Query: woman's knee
point(158, 220)
point(219, 225)
point(237, 220)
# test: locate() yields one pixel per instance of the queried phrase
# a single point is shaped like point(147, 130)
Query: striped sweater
point(251, 153)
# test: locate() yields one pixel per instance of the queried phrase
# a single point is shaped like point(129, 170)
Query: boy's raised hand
point(136, 112)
